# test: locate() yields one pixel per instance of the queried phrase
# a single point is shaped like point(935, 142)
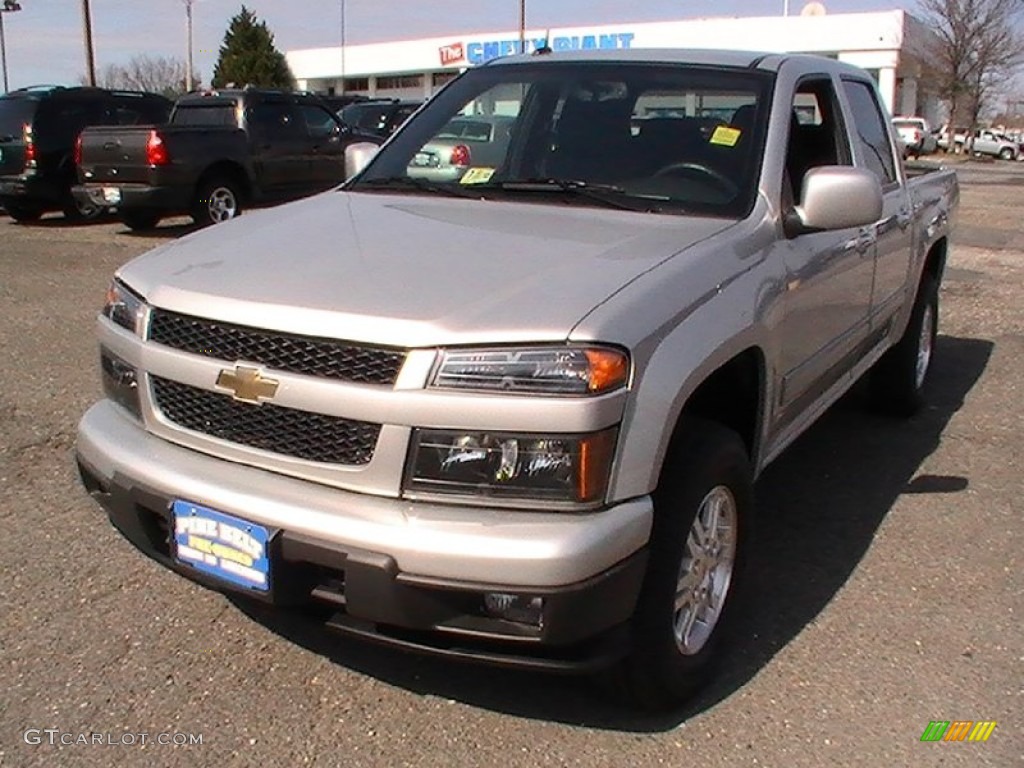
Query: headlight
point(541, 370)
point(542, 468)
point(124, 307)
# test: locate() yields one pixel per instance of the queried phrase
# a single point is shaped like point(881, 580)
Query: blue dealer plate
point(221, 545)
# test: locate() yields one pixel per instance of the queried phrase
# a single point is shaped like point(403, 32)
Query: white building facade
point(892, 45)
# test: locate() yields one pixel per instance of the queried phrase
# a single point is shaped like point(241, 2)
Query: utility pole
point(90, 58)
point(6, 6)
point(522, 26)
point(188, 36)
point(341, 90)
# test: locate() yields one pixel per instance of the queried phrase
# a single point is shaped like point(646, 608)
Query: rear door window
point(869, 130)
point(277, 121)
point(320, 123)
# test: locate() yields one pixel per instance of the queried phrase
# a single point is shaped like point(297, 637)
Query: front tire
point(703, 514)
point(897, 380)
point(218, 199)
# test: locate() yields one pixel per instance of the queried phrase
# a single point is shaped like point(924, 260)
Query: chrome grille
point(310, 355)
point(288, 431)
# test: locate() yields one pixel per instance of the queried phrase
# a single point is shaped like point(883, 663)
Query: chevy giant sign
point(477, 52)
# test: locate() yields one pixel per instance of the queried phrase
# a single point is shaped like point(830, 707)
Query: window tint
point(277, 121)
point(320, 123)
point(870, 130)
point(367, 117)
point(205, 114)
point(59, 121)
point(15, 114)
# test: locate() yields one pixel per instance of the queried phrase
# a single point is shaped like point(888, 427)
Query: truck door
point(279, 144)
point(324, 147)
point(828, 274)
point(893, 232)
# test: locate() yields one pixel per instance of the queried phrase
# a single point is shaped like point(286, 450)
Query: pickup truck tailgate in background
point(117, 155)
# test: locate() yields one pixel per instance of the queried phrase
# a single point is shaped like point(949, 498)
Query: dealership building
point(892, 45)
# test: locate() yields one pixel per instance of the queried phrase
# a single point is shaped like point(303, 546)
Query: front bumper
point(404, 574)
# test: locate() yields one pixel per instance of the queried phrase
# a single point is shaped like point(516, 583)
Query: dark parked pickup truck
point(219, 152)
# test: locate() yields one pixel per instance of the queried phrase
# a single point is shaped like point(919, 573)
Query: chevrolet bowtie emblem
point(247, 384)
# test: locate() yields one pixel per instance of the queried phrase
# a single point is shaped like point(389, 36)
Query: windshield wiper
point(407, 183)
point(606, 194)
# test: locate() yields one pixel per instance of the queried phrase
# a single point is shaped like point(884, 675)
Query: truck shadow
point(819, 506)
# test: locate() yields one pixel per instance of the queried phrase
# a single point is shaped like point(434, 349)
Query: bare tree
point(158, 74)
point(978, 48)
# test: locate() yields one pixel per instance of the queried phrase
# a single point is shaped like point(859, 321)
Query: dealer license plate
point(221, 545)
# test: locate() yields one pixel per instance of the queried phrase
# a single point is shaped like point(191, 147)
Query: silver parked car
point(479, 142)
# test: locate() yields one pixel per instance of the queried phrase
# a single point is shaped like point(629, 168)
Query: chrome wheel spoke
point(705, 570)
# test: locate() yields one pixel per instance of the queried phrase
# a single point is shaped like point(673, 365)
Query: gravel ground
point(889, 589)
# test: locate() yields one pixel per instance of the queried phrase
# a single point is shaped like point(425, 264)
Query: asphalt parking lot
point(889, 588)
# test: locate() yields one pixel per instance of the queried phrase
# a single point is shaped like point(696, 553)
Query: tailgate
point(115, 155)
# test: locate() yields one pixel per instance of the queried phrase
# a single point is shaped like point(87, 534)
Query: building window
point(440, 78)
point(357, 84)
point(399, 81)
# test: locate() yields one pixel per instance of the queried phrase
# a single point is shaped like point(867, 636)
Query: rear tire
point(74, 210)
point(703, 515)
point(23, 213)
point(1006, 154)
point(218, 199)
point(139, 219)
point(896, 383)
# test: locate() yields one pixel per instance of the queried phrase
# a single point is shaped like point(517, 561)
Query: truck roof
point(763, 60)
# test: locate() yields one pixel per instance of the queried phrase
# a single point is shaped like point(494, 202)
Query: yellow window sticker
point(725, 136)
point(477, 176)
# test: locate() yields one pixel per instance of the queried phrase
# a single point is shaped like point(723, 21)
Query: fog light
point(522, 609)
point(120, 382)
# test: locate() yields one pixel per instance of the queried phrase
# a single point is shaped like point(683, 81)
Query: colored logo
point(247, 384)
point(451, 54)
point(958, 730)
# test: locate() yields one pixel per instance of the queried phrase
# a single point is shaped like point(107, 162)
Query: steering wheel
point(719, 178)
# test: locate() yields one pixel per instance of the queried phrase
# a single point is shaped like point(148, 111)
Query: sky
point(45, 39)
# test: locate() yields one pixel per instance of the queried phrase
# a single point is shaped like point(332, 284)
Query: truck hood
point(410, 270)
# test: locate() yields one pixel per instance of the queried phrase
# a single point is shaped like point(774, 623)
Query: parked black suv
point(38, 130)
point(380, 117)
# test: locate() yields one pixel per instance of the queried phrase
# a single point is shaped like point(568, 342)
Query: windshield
point(14, 115)
point(658, 137)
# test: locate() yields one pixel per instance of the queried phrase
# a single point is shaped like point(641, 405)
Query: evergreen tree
point(248, 56)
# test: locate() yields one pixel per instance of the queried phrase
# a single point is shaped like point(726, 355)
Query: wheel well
point(732, 396)
point(935, 261)
point(226, 170)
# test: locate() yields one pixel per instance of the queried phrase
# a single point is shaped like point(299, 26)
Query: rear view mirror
point(358, 156)
point(837, 197)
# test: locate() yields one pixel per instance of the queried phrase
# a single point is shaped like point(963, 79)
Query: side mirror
point(358, 156)
point(836, 197)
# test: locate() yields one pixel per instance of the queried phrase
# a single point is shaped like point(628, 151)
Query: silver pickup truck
point(516, 417)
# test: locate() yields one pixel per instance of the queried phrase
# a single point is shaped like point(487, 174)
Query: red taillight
point(30, 147)
point(78, 150)
point(156, 151)
point(461, 156)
